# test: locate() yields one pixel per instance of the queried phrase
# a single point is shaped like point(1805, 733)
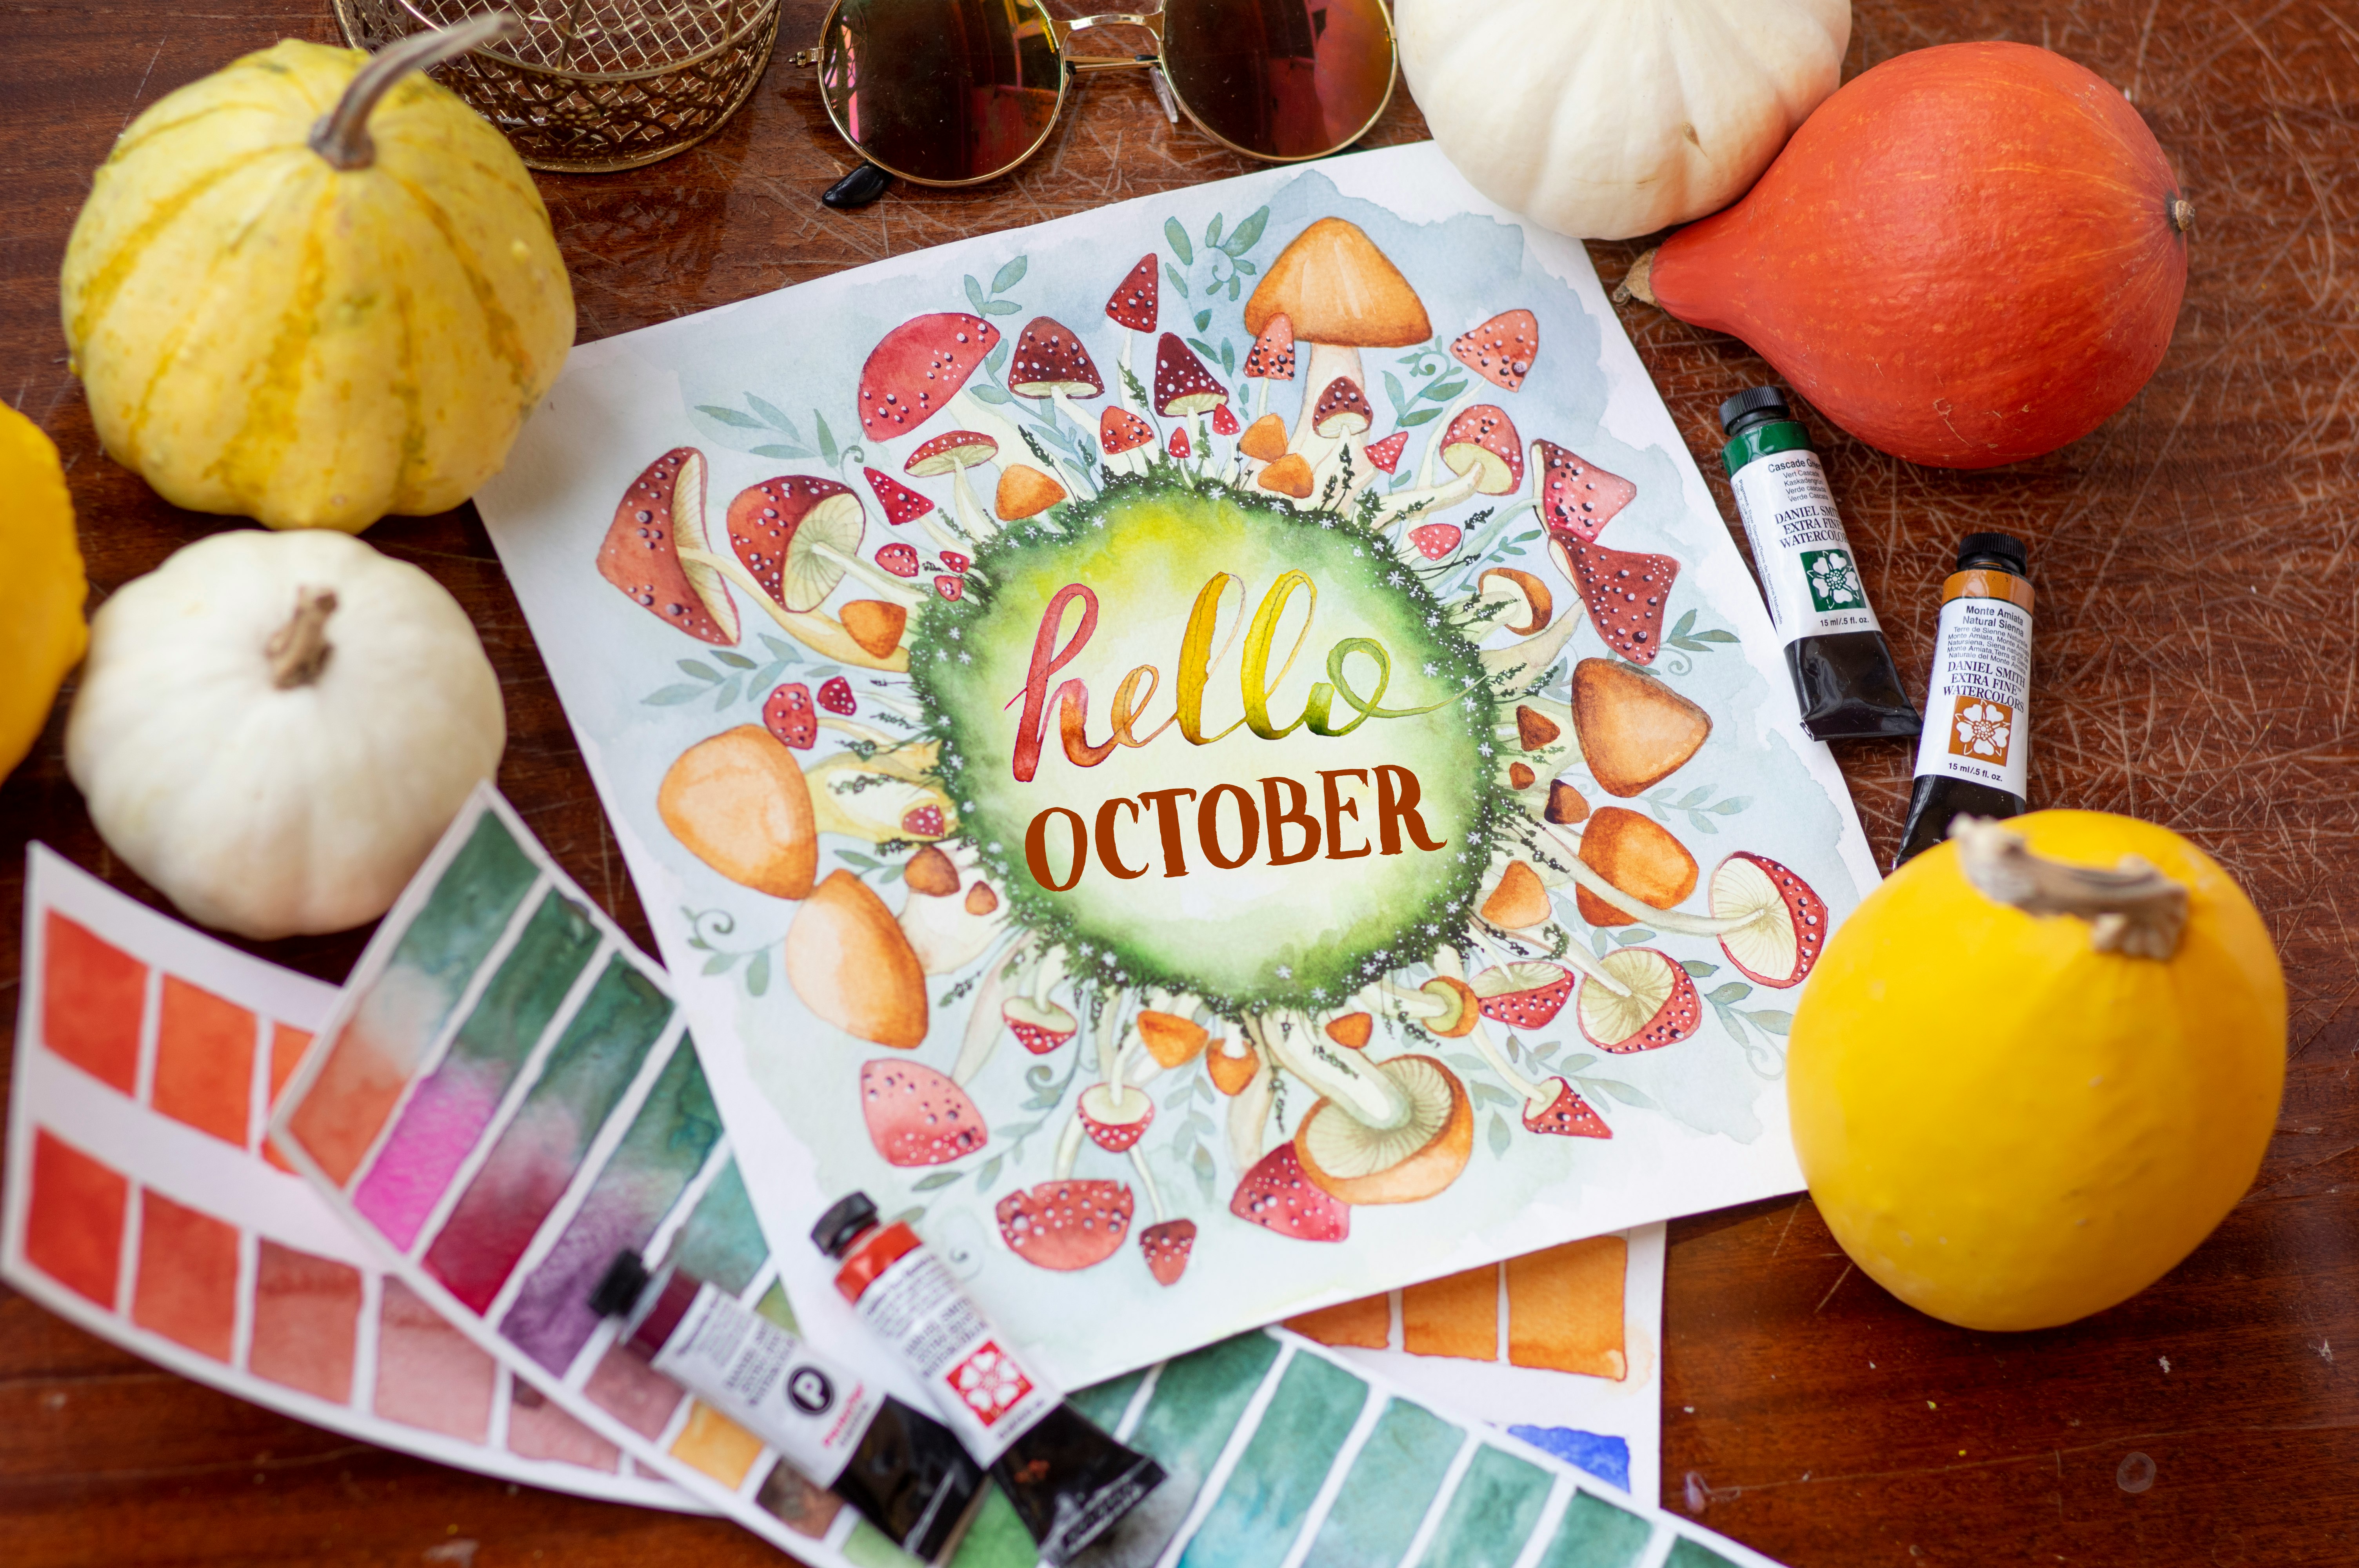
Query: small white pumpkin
point(273, 729)
point(1602, 119)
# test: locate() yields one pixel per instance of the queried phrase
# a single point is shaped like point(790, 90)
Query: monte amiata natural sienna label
point(1978, 720)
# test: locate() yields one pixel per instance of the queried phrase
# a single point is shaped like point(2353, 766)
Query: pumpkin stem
point(1636, 284)
point(2132, 910)
point(299, 651)
point(2182, 213)
point(342, 135)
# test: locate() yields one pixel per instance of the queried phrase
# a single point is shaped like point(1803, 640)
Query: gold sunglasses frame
point(1060, 34)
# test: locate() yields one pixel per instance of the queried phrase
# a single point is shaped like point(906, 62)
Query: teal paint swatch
point(1492, 1514)
point(1686, 1553)
point(1196, 1403)
point(1262, 1506)
point(722, 1243)
point(1593, 1533)
point(538, 1154)
point(463, 916)
point(1393, 1479)
point(1104, 1402)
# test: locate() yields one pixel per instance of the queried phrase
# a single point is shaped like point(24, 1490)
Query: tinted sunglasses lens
point(1281, 79)
point(942, 90)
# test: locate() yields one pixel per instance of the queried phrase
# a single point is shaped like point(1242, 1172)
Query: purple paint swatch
point(667, 1145)
point(450, 1111)
point(587, 1073)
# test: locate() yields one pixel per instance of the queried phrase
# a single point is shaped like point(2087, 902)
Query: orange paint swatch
point(1457, 1314)
point(1564, 1308)
point(74, 1225)
point(92, 995)
point(716, 1446)
point(187, 1286)
point(287, 1044)
point(307, 1314)
point(204, 1061)
point(1366, 1322)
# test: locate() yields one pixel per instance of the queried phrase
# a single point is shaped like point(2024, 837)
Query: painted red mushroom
point(1566, 1115)
point(1385, 454)
point(789, 713)
point(661, 514)
point(1167, 1247)
point(1523, 995)
point(1183, 388)
point(799, 536)
point(1121, 431)
point(1574, 495)
point(917, 368)
point(1271, 358)
point(1435, 541)
point(898, 559)
point(1136, 299)
point(835, 696)
point(949, 585)
point(1177, 445)
point(1223, 422)
point(1659, 1006)
point(1627, 592)
point(1782, 924)
point(901, 505)
point(1039, 1026)
point(1066, 1225)
point(954, 453)
point(1116, 1116)
point(1501, 350)
point(1278, 1195)
point(917, 1117)
point(1050, 362)
point(1481, 447)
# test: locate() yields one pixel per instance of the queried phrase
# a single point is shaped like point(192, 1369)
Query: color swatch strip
point(506, 1098)
point(144, 1205)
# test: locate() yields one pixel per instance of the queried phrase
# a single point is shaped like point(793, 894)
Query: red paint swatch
point(204, 1061)
point(186, 1285)
point(92, 995)
point(286, 1047)
point(307, 1314)
point(74, 1225)
point(428, 1374)
point(541, 1430)
point(633, 1392)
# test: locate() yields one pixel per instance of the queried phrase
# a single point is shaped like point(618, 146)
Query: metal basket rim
point(752, 16)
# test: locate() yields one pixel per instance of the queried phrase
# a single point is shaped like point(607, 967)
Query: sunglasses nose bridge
point(1066, 31)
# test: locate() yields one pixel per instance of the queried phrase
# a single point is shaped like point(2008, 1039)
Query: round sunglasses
point(959, 92)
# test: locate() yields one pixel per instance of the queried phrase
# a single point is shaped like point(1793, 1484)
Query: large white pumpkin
point(1602, 119)
point(273, 729)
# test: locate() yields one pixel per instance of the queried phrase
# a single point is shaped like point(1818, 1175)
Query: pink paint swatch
point(307, 1314)
point(428, 1375)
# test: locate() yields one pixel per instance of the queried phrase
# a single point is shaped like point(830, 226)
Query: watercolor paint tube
point(1069, 1481)
point(904, 1471)
point(1843, 675)
point(1975, 756)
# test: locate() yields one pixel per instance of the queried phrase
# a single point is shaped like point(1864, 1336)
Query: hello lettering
point(1234, 824)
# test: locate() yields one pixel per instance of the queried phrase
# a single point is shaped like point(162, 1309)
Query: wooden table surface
point(2198, 656)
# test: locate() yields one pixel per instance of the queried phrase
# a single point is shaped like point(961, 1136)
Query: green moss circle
point(1258, 937)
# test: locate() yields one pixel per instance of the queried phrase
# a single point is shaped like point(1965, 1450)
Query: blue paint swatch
point(1607, 1458)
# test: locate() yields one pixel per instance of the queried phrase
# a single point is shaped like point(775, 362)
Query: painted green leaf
point(996, 358)
point(1684, 624)
point(1177, 237)
point(1631, 936)
point(727, 694)
point(788, 653)
point(1247, 268)
point(1204, 320)
point(826, 436)
point(1000, 307)
point(671, 695)
point(1441, 389)
point(1734, 991)
point(1009, 276)
point(1248, 233)
point(1777, 1021)
point(729, 416)
point(735, 660)
point(1410, 422)
point(1733, 804)
point(719, 962)
point(1499, 1135)
point(758, 973)
point(1698, 970)
point(702, 672)
point(1621, 1091)
point(1393, 390)
point(975, 294)
point(792, 454)
point(1212, 231)
point(1233, 287)
point(988, 392)
point(937, 1182)
point(1177, 281)
point(1228, 358)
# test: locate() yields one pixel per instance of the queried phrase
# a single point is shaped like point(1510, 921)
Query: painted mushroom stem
point(885, 583)
point(983, 1025)
point(1572, 958)
point(819, 633)
point(1638, 909)
point(1248, 1114)
point(1367, 1095)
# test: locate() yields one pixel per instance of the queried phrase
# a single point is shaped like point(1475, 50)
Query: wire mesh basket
point(594, 85)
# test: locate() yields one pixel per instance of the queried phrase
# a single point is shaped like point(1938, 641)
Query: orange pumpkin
point(1969, 255)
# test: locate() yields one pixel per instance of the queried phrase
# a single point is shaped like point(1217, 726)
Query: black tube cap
point(619, 1292)
point(2002, 550)
point(858, 189)
point(1752, 400)
point(836, 1229)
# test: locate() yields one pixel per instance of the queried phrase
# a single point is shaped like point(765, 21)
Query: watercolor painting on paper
point(1216, 751)
point(144, 1205)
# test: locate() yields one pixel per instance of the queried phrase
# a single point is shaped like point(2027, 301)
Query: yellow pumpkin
point(2037, 1066)
point(312, 295)
point(43, 634)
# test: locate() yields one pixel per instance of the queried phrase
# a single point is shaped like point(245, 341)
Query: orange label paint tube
point(1975, 756)
point(1069, 1482)
point(904, 1471)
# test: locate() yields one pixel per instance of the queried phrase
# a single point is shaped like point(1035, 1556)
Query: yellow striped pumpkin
point(313, 300)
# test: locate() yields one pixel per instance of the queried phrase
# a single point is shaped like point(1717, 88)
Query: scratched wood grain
point(2198, 655)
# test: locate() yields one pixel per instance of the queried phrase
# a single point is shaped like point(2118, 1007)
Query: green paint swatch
point(722, 1242)
point(1393, 1479)
point(1104, 1402)
point(1196, 1403)
point(1686, 1553)
point(508, 1021)
point(1593, 1533)
point(1283, 1466)
point(996, 1539)
point(774, 1306)
point(468, 909)
point(1492, 1514)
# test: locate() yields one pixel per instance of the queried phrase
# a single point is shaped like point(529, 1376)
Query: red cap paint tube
point(1068, 1480)
point(904, 1471)
point(1976, 754)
